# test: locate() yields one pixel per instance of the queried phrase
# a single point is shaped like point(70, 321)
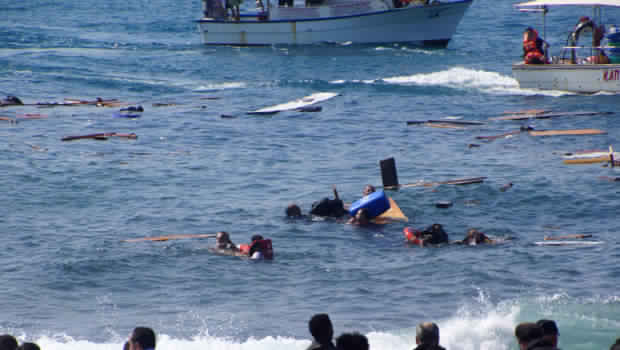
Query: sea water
point(68, 282)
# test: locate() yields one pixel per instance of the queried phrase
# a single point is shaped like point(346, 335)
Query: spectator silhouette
point(427, 337)
point(8, 342)
point(322, 331)
point(142, 338)
point(352, 341)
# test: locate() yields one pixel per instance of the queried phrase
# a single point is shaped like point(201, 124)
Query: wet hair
point(427, 333)
point(320, 326)
point(369, 189)
point(527, 332)
point(293, 210)
point(8, 342)
point(548, 327)
point(257, 238)
point(616, 345)
point(352, 341)
point(144, 336)
point(29, 346)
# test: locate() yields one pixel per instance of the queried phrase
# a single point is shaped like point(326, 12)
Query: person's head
point(529, 34)
point(257, 238)
point(28, 346)
point(361, 216)
point(142, 338)
point(427, 333)
point(474, 237)
point(321, 328)
point(8, 342)
point(616, 345)
point(527, 333)
point(293, 211)
point(222, 238)
point(369, 189)
point(550, 331)
point(352, 341)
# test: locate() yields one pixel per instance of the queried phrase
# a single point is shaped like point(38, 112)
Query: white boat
point(573, 70)
point(334, 21)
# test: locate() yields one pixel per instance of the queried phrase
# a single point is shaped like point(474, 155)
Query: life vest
point(533, 53)
point(263, 246)
point(413, 235)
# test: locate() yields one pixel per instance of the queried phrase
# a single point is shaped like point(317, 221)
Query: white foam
point(220, 86)
point(466, 78)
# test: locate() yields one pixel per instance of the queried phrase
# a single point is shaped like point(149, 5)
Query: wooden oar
point(166, 238)
point(567, 132)
point(580, 236)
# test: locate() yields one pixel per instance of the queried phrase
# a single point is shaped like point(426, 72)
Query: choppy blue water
point(69, 283)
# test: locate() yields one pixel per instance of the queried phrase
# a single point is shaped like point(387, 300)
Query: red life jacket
point(533, 54)
point(263, 246)
point(413, 235)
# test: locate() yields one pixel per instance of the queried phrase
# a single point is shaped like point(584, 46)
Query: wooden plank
point(567, 132)
point(577, 236)
point(392, 214)
point(466, 181)
point(169, 237)
point(549, 115)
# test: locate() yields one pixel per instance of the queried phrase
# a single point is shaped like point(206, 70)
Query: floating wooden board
point(569, 243)
point(444, 123)
point(548, 115)
point(392, 214)
point(100, 136)
point(297, 104)
point(528, 111)
point(577, 236)
point(567, 132)
point(169, 237)
point(466, 181)
point(591, 160)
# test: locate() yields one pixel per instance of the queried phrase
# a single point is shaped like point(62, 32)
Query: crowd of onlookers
point(542, 335)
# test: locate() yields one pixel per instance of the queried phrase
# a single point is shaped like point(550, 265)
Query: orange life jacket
point(533, 54)
point(263, 246)
point(413, 235)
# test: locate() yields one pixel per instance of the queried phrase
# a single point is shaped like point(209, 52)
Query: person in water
point(293, 211)
point(8, 342)
point(322, 331)
point(260, 248)
point(533, 47)
point(550, 332)
point(368, 190)
point(475, 237)
point(222, 241)
point(361, 218)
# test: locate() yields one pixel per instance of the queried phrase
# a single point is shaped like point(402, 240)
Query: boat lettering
point(611, 75)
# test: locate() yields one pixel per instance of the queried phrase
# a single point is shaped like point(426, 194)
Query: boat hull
point(582, 78)
point(426, 25)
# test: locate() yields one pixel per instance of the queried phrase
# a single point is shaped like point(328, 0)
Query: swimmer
point(360, 218)
point(222, 241)
point(369, 189)
point(475, 237)
point(293, 211)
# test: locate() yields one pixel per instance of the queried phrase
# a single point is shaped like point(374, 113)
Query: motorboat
point(420, 22)
point(582, 67)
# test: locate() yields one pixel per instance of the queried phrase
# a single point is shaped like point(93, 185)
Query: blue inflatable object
point(375, 203)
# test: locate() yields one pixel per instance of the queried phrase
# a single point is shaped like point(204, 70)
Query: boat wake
point(465, 79)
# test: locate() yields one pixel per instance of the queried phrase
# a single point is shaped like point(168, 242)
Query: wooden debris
point(466, 181)
point(567, 132)
point(578, 236)
point(547, 115)
point(100, 136)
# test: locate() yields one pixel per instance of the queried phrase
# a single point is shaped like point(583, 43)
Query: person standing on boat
point(233, 5)
point(533, 47)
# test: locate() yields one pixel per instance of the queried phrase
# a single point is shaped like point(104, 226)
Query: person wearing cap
point(322, 331)
point(427, 337)
point(142, 338)
point(550, 332)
